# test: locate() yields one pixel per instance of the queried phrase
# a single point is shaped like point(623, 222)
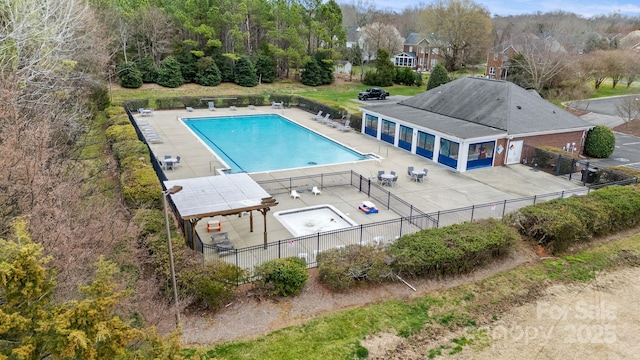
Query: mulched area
point(632, 128)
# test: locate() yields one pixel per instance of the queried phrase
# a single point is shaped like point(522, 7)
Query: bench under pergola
point(218, 195)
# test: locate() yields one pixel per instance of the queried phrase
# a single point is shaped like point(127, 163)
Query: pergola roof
point(218, 195)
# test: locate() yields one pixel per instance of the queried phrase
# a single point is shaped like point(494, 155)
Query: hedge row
point(451, 250)
point(342, 269)
point(139, 182)
point(203, 102)
point(561, 223)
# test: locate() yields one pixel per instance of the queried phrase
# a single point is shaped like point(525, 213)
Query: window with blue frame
point(371, 125)
point(406, 137)
point(480, 155)
point(424, 146)
point(388, 132)
point(448, 153)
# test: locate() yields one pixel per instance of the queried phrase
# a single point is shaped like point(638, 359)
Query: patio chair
point(212, 107)
point(409, 170)
point(380, 173)
point(177, 162)
point(393, 173)
point(317, 116)
point(295, 194)
point(168, 157)
point(326, 119)
point(189, 109)
point(425, 171)
point(420, 177)
point(345, 127)
point(316, 191)
point(394, 180)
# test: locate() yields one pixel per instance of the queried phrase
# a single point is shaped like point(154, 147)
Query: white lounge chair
point(326, 119)
point(345, 127)
point(295, 194)
point(189, 109)
point(316, 191)
point(212, 107)
point(317, 116)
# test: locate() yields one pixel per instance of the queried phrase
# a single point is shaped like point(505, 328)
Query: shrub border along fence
point(380, 233)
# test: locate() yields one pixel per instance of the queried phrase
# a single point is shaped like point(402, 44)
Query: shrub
point(341, 269)
point(208, 73)
point(624, 205)
point(453, 249)
point(151, 221)
point(600, 142)
point(244, 73)
point(113, 111)
point(311, 74)
point(148, 69)
point(266, 68)
point(282, 277)
point(140, 186)
point(169, 74)
point(548, 224)
point(119, 133)
point(129, 75)
point(405, 76)
point(438, 77)
point(211, 284)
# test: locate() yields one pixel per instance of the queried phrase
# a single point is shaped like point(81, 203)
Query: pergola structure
point(219, 195)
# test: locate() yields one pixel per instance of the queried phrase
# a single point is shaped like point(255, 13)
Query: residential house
point(472, 123)
point(499, 59)
point(631, 41)
point(342, 67)
point(418, 53)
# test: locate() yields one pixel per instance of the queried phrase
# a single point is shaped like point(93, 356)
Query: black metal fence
point(380, 233)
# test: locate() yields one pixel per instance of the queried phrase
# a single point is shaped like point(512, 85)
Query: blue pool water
point(256, 143)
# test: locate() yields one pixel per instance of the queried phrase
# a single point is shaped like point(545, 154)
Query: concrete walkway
point(443, 188)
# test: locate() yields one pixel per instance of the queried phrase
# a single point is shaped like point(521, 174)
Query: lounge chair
point(316, 191)
point(277, 105)
point(317, 116)
point(212, 107)
point(189, 109)
point(326, 119)
point(232, 108)
point(345, 127)
point(295, 194)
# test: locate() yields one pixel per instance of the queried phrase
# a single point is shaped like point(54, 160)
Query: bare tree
point(358, 12)
point(628, 108)
point(462, 27)
point(381, 36)
point(157, 32)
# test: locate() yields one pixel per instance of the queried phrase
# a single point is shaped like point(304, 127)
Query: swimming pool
point(258, 143)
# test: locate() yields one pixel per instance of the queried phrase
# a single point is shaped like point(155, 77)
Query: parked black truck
point(373, 93)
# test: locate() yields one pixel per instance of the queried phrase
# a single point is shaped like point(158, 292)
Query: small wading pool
point(313, 219)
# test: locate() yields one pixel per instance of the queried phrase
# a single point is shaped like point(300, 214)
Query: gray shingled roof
point(497, 105)
point(412, 39)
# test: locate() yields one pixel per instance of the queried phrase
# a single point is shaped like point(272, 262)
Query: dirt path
point(598, 320)
point(247, 317)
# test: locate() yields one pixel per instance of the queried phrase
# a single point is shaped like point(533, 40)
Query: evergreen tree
point(35, 327)
point(169, 74)
point(245, 74)
point(266, 68)
point(438, 77)
point(187, 61)
point(208, 73)
point(312, 74)
point(385, 71)
point(148, 69)
point(226, 67)
point(130, 76)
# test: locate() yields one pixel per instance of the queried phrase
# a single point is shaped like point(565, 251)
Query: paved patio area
point(443, 189)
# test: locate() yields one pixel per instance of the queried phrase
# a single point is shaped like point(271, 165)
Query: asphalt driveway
point(603, 112)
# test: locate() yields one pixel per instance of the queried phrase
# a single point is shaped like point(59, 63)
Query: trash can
point(589, 175)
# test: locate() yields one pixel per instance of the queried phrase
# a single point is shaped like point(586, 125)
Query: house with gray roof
point(418, 53)
point(473, 122)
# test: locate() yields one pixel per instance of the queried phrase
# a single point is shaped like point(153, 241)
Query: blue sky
point(585, 8)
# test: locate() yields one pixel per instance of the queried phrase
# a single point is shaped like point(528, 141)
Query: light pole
point(173, 190)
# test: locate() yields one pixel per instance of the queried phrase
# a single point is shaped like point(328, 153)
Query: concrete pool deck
point(443, 188)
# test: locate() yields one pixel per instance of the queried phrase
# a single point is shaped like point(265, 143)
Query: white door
point(514, 151)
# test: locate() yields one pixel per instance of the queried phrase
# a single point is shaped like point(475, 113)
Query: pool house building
point(472, 123)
